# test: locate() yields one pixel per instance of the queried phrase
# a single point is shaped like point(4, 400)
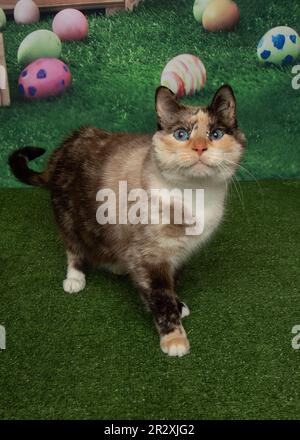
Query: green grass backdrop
point(117, 69)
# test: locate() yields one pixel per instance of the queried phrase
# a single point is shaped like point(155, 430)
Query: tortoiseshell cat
point(194, 147)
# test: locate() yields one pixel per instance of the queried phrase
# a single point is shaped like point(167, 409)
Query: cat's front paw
point(175, 343)
point(73, 285)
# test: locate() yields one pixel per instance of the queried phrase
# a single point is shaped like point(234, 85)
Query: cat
point(193, 147)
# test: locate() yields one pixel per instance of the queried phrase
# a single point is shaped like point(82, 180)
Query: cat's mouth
point(202, 162)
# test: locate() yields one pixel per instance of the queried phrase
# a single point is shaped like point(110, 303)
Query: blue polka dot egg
point(280, 46)
point(43, 78)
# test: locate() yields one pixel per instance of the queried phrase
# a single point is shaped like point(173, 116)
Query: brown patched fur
point(92, 159)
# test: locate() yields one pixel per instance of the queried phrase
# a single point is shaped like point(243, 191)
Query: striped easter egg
point(184, 75)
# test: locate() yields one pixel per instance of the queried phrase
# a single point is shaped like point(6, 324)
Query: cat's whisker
point(239, 190)
point(234, 181)
point(244, 169)
point(237, 164)
point(223, 175)
point(222, 167)
point(250, 174)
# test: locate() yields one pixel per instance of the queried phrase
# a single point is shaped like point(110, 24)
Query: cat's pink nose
point(200, 149)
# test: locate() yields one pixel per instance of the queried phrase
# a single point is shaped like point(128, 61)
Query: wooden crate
point(4, 87)
point(55, 5)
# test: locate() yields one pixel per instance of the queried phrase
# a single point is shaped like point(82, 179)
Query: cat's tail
point(18, 162)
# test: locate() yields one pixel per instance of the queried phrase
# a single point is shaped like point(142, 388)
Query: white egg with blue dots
point(280, 46)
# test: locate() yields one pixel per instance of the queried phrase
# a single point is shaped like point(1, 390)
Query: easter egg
point(39, 44)
point(220, 15)
point(70, 24)
point(199, 7)
point(2, 19)
point(44, 78)
point(184, 75)
point(26, 12)
point(174, 82)
point(279, 46)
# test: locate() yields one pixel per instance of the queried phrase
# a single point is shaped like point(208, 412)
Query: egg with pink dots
point(44, 78)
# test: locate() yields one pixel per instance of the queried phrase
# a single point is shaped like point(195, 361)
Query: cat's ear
point(166, 106)
point(223, 106)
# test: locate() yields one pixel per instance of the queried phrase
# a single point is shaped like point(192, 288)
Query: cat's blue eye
point(216, 134)
point(181, 135)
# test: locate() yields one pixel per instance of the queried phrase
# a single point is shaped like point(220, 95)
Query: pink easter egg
point(44, 78)
point(174, 83)
point(221, 15)
point(70, 24)
point(189, 72)
point(186, 75)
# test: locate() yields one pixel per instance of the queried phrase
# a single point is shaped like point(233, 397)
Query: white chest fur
point(211, 213)
point(214, 199)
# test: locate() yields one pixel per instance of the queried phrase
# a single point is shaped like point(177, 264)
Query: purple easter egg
point(44, 78)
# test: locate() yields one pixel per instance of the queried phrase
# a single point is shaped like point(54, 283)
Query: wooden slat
point(4, 93)
point(54, 5)
point(78, 2)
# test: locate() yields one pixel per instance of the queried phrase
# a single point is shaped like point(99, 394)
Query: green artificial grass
point(96, 354)
point(117, 69)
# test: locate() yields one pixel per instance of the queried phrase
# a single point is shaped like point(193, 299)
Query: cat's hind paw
point(73, 285)
point(175, 343)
